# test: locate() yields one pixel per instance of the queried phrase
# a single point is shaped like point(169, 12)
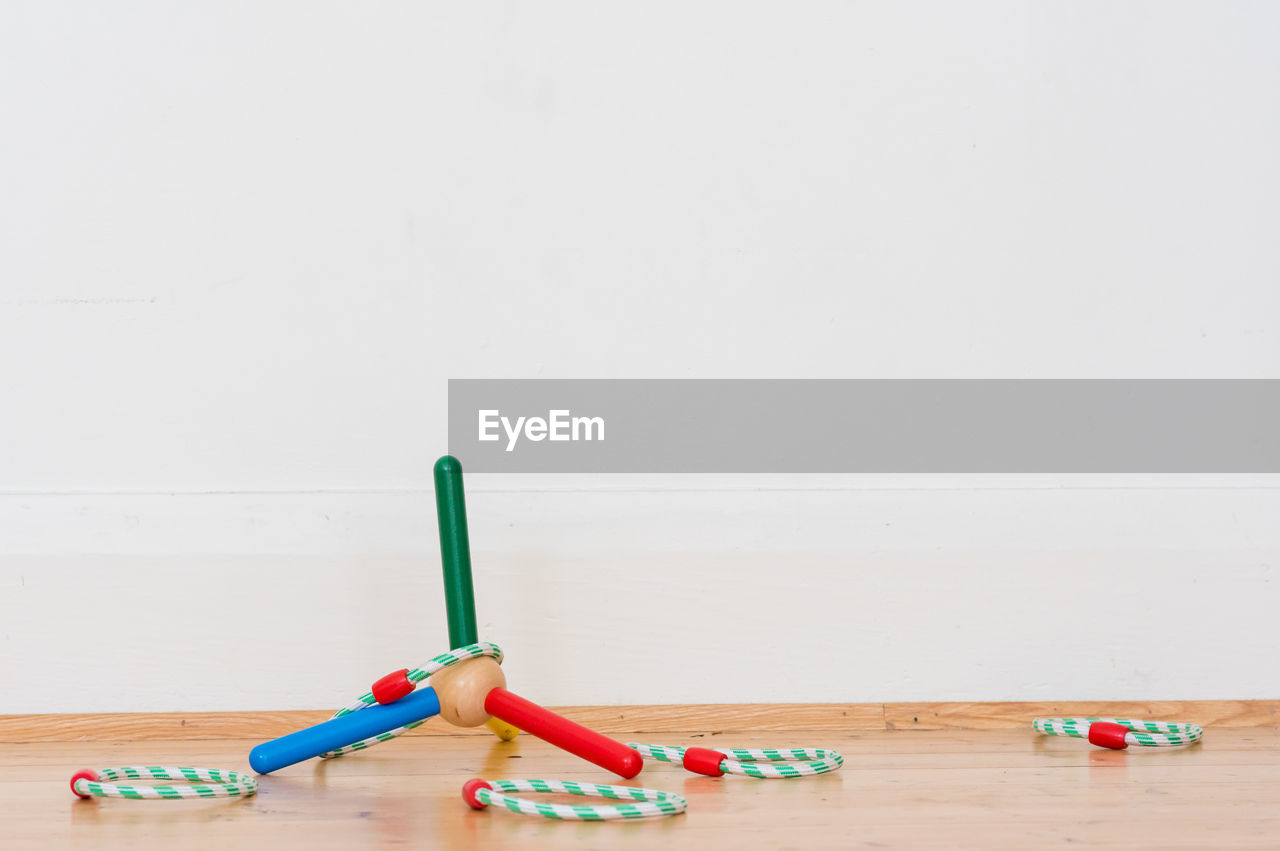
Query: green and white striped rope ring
point(764, 763)
point(415, 676)
point(219, 783)
point(1151, 734)
point(639, 803)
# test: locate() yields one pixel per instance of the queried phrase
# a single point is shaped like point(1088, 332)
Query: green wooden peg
point(455, 553)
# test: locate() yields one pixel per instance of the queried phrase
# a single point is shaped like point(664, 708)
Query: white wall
point(242, 247)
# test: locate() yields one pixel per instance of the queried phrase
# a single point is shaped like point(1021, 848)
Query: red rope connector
point(84, 774)
point(704, 761)
point(469, 793)
point(392, 687)
point(1108, 734)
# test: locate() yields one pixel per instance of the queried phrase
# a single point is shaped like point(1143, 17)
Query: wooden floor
point(911, 789)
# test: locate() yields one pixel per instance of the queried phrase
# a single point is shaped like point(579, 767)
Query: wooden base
point(716, 718)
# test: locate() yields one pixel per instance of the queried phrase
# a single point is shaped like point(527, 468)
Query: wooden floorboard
point(946, 788)
point(126, 727)
point(1003, 715)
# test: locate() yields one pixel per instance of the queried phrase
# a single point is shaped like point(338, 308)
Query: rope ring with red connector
point(1119, 733)
point(763, 763)
point(201, 782)
point(637, 802)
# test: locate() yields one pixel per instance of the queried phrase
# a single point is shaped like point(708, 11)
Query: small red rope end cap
point(469, 790)
point(392, 687)
point(1108, 734)
point(704, 761)
point(85, 774)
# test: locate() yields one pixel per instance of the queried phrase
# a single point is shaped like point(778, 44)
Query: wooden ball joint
point(462, 689)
